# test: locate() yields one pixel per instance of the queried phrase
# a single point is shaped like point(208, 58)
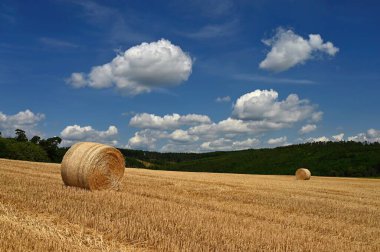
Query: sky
point(191, 76)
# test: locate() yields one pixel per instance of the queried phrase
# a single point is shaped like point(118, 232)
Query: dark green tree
point(35, 140)
point(20, 136)
point(50, 145)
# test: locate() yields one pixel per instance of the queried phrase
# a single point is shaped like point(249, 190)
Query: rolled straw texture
point(93, 166)
point(303, 174)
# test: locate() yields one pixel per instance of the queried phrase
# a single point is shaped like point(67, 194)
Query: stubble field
point(178, 211)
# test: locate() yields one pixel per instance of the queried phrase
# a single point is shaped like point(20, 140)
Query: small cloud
point(338, 138)
point(289, 49)
point(128, 113)
point(266, 79)
point(307, 128)
point(77, 80)
point(318, 139)
point(214, 31)
point(278, 141)
point(223, 99)
point(57, 43)
point(151, 121)
point(223, 144)
point(317, 116)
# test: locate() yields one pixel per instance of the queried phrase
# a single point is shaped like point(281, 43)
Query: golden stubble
point(179, 211)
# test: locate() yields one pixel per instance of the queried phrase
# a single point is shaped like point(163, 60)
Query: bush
point(12, 149)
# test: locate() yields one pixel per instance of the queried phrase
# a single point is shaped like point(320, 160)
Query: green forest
point(348, 159)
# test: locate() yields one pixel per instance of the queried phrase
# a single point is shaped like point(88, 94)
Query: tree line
point(349, 159)
point(35, 149)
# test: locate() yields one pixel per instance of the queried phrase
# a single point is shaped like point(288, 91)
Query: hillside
point(350, 159)
point(183, 211)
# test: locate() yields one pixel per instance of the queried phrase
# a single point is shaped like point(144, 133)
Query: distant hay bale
point(93, 166)
point(303, 174)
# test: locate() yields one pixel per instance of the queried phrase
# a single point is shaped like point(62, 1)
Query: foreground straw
point(93, 166)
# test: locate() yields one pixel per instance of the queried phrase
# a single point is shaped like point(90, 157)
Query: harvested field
point(178, 211)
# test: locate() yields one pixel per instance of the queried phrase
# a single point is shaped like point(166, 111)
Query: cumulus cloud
point(289, 49)
point(151, 121)
point(278, 141)
point(334, 138)
point(182, 136)
point(253, 114)
point(338, 138)
point(139, 69)
point(223, 99)
point(75, 133)
point(372, 135)
point(223, 144)
point(318, 139)
point(77, 80)
point(307, 128)
point(25, 120)
point(233, 127)
point(184, 148)
point(145, 139)
point(263, 105)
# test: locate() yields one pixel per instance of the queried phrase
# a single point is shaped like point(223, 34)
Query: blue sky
point(191, 75)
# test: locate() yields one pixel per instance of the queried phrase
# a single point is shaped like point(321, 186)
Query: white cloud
point(263, 105)
point(182, 136)
point(232, 127)
point(223, 144)
point(77, 80)
point(289, 49)
point(76, 133)
point(145, 139)
point(25, 120)
point(184, 148)
point(151, 121)
point(140, 69)
point(372, 135)
point(278, 141)
point(317, 116)
point(223, 99)
point(254, 114)
point(318, 139)
point(307, 128)
point(334, 138)
point(338, 138)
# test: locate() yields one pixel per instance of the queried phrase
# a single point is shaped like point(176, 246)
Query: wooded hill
point(349, 159)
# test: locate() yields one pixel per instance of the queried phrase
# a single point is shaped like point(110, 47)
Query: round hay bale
point(93, 166)
point(303, 174)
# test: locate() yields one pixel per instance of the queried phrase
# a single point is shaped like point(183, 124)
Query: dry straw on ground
point(93, 166)
point(303, 174)
point(186, 211)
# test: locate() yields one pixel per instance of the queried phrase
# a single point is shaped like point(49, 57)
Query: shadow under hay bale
point(93, 166)
point(303, 174)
